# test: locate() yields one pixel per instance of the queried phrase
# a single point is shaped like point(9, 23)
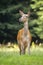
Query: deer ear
point(28, 13)
point(21, 12)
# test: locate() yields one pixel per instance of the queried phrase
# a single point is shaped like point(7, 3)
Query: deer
point(24, 37)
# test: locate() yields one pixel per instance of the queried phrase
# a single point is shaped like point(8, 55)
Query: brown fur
point(19, 37)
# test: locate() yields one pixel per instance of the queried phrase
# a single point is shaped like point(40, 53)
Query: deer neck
point(26, 27)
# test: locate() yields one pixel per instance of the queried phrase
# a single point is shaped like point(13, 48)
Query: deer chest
point(25, 37)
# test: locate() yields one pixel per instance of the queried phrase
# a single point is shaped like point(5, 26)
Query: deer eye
point(26, 16)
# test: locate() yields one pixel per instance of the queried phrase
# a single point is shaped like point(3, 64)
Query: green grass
point(13, 58)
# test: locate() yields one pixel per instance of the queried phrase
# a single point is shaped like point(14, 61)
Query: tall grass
point(12, 57)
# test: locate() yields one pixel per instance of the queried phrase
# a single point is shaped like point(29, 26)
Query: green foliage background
point(9, 19)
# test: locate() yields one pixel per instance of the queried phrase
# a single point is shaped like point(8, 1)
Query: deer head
point(24, 17)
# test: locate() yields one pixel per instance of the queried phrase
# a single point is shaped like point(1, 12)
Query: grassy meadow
point(11, 56)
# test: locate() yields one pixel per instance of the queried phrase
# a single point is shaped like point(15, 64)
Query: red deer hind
point(24, 36)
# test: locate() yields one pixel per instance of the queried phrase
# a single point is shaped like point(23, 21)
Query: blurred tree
point(37, 23)
point(9, 18)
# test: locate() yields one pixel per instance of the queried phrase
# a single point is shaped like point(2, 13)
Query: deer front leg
point(22, 50)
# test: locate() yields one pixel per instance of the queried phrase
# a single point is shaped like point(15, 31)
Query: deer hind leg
point(28, 46)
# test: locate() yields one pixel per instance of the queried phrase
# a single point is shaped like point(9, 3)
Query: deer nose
point(20, 19)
